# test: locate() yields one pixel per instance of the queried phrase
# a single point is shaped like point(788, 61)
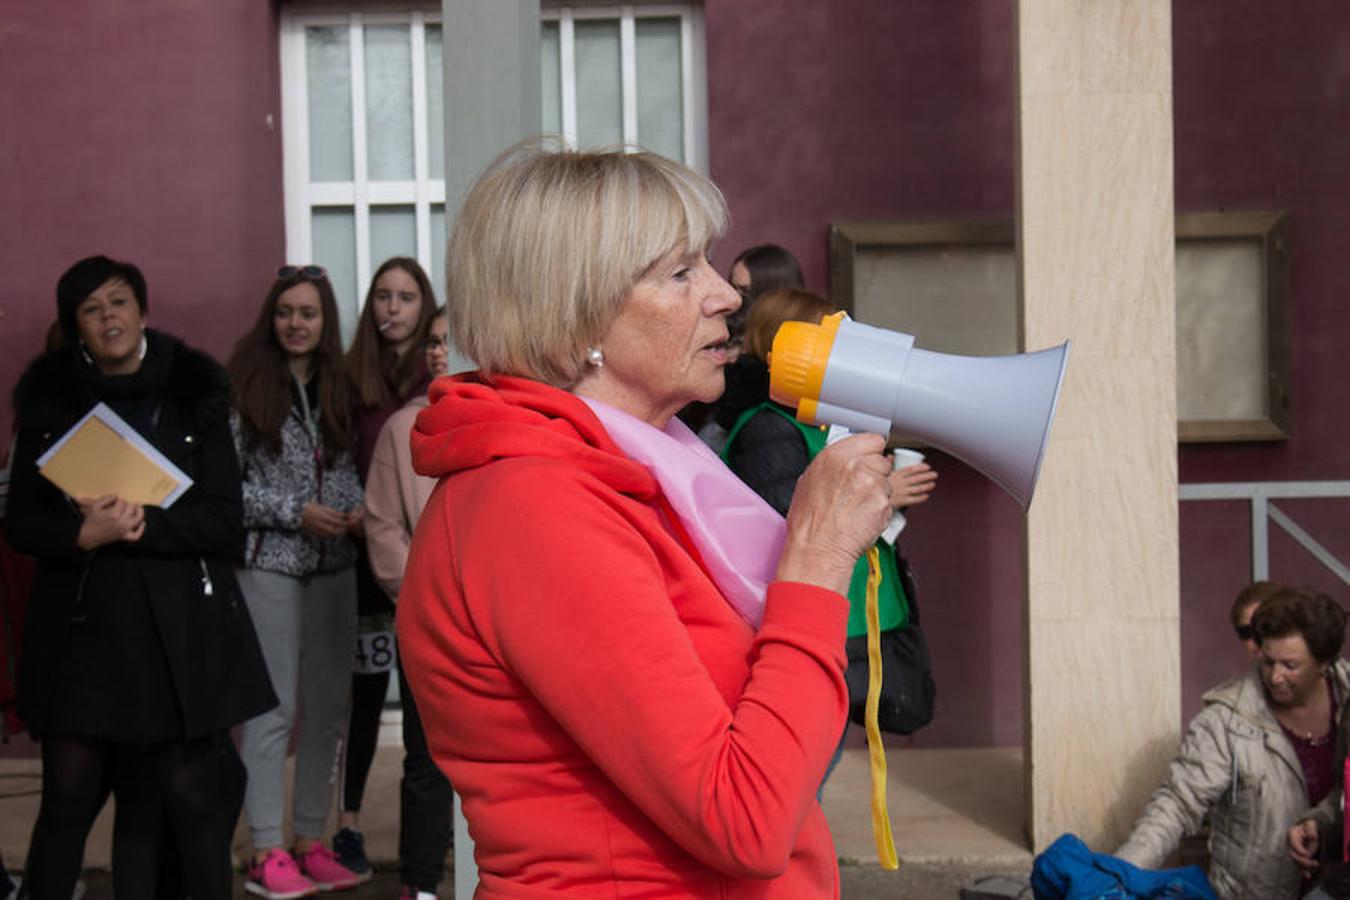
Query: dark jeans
point(426, 804)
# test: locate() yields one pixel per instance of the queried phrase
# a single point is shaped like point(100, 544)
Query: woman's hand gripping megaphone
point(841, 503)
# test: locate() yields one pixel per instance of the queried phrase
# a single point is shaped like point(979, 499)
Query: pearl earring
point(596, 357)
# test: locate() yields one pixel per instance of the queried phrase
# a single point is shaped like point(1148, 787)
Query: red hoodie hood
point(472, 421)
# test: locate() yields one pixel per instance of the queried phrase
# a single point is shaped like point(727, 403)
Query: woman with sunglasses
point(302, 502)
point(1244, 609)
point(385, 369)
point(139, 654)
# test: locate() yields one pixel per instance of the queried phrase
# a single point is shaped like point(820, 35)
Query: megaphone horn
point(992, 412)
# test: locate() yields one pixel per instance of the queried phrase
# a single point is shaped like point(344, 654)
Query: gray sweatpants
point(307, 628)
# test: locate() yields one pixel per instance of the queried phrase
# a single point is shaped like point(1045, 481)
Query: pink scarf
point(739, 536)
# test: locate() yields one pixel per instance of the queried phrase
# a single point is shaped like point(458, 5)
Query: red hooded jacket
point(613, 727)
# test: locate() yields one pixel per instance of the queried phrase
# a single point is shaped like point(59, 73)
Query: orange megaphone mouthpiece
point(800, 353)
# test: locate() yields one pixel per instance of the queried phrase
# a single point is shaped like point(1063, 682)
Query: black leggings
point(167, 788)
point(363, 732)
point(368, 692)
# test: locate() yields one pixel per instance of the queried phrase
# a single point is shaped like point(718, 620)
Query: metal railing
point(1259, 494)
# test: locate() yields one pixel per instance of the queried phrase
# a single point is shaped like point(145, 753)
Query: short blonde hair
point(550, 242)
point(775, 307)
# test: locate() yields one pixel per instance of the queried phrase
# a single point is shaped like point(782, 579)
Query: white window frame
point(302, 195)
point(427, 189)
point(693, 70)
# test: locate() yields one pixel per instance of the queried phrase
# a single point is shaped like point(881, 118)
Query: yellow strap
point(881, 818)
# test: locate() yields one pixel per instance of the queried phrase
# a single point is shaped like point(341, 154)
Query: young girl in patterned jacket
point(302, 504)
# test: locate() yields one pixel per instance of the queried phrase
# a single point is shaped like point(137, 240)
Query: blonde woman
point(625, 699)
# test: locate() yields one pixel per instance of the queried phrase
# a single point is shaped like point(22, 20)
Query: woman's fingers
point(108, 519)
point(1303, 841)
point(89, 504)
point(322, 521)
point(856, 445)
point(849, 478)
point(912, 484)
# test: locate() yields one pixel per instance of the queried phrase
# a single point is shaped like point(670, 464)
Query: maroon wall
point(1262, 112)
point(142, 131)
point(147, 131)
point(828, 111)
point(823, 111)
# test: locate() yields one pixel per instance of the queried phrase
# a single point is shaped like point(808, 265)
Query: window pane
point(393, 232)
point(599, 84)
point(435, 104)
point(659, 93)
point(550, 58)
point(328, 66)
point(389, 115)
point(334, 234)
point(437, 273)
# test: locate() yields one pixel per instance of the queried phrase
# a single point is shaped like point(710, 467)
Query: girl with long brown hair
point(395, 318)
point(302, 502)
point(385, 368)
point(262, 364)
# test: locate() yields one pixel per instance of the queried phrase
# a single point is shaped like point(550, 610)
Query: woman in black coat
point(139, 653)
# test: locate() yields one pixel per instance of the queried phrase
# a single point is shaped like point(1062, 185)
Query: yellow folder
point(103, 455)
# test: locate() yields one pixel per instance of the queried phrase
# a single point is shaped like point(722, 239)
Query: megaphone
point(992, 412)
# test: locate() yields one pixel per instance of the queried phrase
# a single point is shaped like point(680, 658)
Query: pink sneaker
point(278, 878)
point(322, 866)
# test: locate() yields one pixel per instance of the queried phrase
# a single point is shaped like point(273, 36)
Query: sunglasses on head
point(311, 273)
point(1245, 632)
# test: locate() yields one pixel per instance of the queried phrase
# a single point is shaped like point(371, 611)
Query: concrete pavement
point(955, 814)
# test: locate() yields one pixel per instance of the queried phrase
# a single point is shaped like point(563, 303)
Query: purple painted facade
point(1262, 112)
point(151, 132)
point(905, 110)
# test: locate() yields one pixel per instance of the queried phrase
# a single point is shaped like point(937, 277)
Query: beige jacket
point(1235, 764)
point(395, 495)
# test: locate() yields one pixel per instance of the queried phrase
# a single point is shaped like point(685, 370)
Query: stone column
point(1095, 239)
point(492, 88)
point(492, 100)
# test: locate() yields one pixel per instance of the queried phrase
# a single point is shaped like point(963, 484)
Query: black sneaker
point(350, 847)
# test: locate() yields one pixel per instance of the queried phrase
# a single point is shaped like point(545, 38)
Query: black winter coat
point(181, 568)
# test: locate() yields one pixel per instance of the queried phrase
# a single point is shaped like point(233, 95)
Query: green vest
point(892, 607)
